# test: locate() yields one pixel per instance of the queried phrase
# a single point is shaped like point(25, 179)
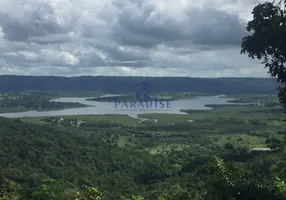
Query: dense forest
point(54, 158)
point(107, 84)
point(32, 153)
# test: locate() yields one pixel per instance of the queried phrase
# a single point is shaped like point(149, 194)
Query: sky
point(126, 38)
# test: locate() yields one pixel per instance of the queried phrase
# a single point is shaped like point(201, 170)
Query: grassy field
point(122, 119)
point(225, 124)
point(229, 124)
point(245, 125)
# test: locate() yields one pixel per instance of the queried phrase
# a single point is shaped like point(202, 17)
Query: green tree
point(228, 180)
point(134, 197)
point(8, 189)
point(268, 41)
point(88, 193)
point(178, 193)
point(51, 190)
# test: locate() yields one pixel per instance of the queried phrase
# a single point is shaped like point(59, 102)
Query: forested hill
point(115, 84)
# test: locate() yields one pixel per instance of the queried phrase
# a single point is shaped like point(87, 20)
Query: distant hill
point(108, 84)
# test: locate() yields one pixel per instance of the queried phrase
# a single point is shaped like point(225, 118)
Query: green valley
point(124, 156)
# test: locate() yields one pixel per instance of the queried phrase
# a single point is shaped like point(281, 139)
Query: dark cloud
point(217, 28)
point(204, 27)
point(137, 29)
point(39, 22)
point(124, 37)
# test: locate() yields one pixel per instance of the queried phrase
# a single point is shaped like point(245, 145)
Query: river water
point(110, 108)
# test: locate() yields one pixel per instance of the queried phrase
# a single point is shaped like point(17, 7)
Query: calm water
point(109, 107)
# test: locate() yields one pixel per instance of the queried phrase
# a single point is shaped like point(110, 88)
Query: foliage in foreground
point(268, 40)
point(226, 180)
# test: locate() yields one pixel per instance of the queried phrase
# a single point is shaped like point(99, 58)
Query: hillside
point(108, 84)
point(31, 153)
point(122, 157)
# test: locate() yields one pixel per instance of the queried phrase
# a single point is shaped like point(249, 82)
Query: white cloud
point(68, 58)
point(1, 33)
point(58, 57)
point(29, 55)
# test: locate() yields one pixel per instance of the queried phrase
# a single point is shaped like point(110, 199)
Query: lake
point(109, 107)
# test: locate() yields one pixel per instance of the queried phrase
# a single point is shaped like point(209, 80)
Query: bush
point(281, 132)
point(228, 146)
point(268, 141)
point(276, 140)
point(274, 146)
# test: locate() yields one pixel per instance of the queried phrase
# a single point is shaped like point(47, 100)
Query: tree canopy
point(267, 41)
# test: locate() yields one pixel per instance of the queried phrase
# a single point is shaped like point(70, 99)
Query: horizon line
point(17, 75)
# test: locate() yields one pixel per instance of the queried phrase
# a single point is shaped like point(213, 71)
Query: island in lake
point(157, 96)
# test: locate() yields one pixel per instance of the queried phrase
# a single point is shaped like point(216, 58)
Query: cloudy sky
point(126, 37)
